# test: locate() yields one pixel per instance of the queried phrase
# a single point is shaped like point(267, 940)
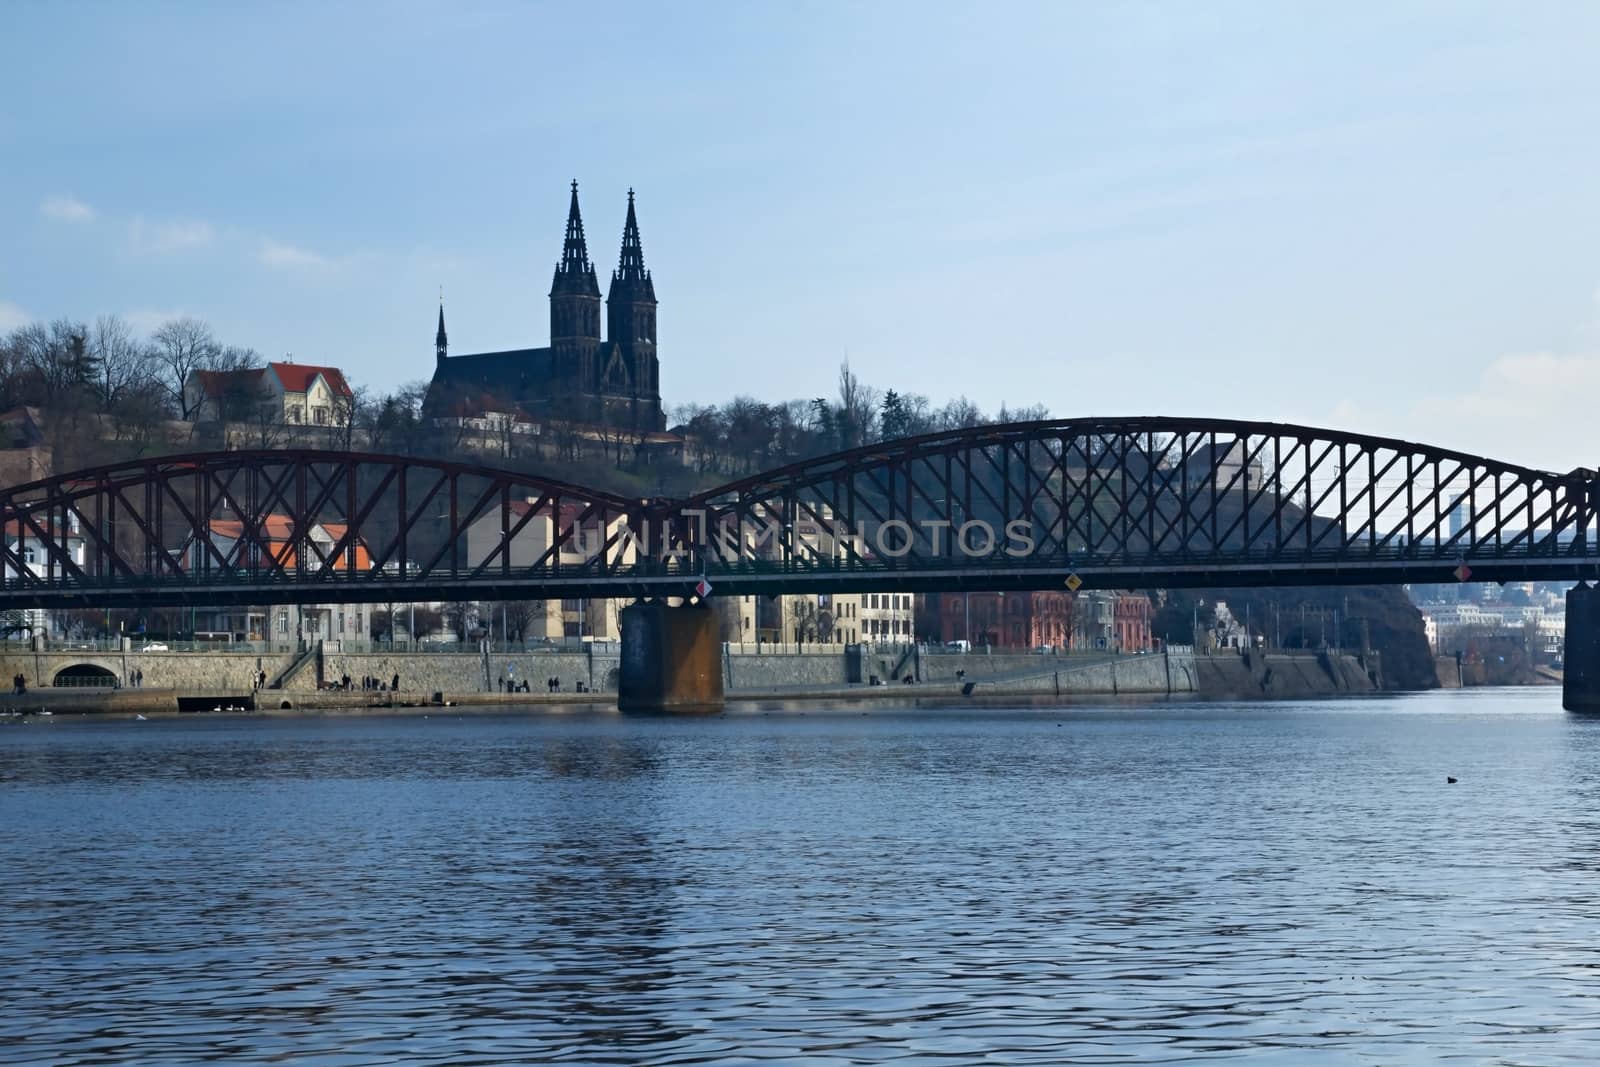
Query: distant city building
point(27, 554)
point(885, 617)
point(1227, 464)
point(541, 538)
point(1131, 614)
point(1012, 621)
point(285, 392)
point(228, 542)
point(578, 377)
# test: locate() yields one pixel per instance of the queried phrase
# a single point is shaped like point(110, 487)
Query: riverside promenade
point(101, 680)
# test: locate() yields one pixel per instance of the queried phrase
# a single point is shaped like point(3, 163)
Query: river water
point(1283, 883)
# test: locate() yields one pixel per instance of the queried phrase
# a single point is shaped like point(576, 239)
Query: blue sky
point(1381, 217)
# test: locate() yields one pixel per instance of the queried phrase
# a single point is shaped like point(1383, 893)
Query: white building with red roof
point(287, 392)
point(27, 555)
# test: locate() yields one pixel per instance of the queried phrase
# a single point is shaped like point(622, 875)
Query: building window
point(283, 622)
point(319, 415)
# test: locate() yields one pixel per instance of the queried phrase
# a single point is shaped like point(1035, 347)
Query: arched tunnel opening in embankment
point(84, 674)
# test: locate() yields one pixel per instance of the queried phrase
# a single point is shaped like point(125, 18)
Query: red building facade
point(1015, 621)
point(1027, 621)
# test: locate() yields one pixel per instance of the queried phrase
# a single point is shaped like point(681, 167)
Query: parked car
point(155, 646)
point(958, 646)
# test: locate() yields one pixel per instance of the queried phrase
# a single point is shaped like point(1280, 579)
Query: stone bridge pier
point(671, 658)
point(1580, 686)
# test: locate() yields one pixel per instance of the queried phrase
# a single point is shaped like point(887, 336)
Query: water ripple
point(1040, 886)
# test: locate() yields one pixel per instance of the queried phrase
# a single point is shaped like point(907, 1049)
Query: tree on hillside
point(127, 366)
point(54, 364)
point(1030, 413)
point(182, 346)
point(393, 423)
point(824, 427)
point(959, 414)
point(243, 398)
point(894, 421)
point(350, 416)
point(750, 432)
point(855, 418)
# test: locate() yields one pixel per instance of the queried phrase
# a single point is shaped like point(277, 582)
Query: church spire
point(441, 341)
point(575, 252)
point(575, 273)
point(631, 266)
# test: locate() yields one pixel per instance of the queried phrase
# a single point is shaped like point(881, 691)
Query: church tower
point(575, 314)
point(631, 326)
point(441, 342)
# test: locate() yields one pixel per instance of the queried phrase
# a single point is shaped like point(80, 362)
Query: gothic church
point(579, 377)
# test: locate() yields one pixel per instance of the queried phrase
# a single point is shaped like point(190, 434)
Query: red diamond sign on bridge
point(1462, 572)
point(702, 589)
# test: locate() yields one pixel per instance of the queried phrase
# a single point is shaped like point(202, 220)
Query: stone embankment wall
point(1155, 673)
point(805, 669)
point(1280, 675)
point(220, 671)
point(1250, 676)
point(468, 672)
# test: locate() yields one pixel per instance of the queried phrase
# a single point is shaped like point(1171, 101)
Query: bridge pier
point(1580, 686)
point(671, 658)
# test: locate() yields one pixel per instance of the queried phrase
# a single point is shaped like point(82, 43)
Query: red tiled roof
point(273, 528)
point(214, 383)
point(19, 529)
point(297, 377)
point(275, 531)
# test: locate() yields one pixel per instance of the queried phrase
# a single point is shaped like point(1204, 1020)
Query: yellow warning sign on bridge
point(1073, 581)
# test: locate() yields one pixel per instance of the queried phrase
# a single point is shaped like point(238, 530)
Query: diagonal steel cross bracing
point(1120, 503)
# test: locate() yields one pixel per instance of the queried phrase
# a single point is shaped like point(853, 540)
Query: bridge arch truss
point(1151, 501)
point(1118, 503)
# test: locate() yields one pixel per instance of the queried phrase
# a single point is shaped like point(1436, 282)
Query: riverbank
point(977, 678)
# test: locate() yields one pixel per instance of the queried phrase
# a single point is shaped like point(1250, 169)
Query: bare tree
point(139, 419)
point(394, 422)
point(183, 346)
point(264, 423)
point(125, 365)
point(618, 435)
point(809, 622)
point(958, 414)
point(349, 416)
point(461, 616)
point(55, 361)
point(520, 615)
point(235, 357)
point(858, 409)
point(427, 621)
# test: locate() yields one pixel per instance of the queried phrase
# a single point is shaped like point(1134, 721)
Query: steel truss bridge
point(1098, 503)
